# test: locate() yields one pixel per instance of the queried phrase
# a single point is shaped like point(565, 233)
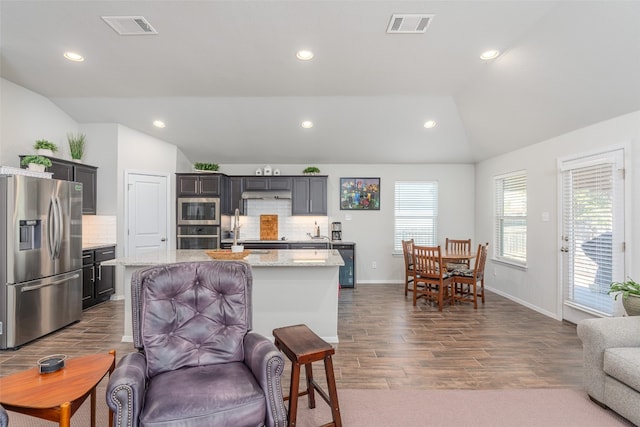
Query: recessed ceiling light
point(489, 54)
point(159, 124)
point(307, 124)
point(430, 124)
point(304, 55)
point(72, 56)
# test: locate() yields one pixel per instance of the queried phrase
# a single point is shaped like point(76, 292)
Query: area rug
point(469, 408)
point(408, 408)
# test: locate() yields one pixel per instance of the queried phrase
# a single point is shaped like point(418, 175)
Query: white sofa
point(611, 352)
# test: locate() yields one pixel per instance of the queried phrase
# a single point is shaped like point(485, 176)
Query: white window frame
point(420, 221)
point(500, 217)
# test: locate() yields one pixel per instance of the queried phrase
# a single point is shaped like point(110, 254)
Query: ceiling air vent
point(409, 23)
point(130, 25)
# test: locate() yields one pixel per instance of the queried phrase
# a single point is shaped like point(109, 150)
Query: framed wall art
point(360, 194)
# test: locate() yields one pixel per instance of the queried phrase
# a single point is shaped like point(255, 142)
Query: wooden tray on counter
point(226, 254)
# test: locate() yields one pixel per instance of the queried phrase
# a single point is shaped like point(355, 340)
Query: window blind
point(592, 198)
point(511, 218)
point(416, 213)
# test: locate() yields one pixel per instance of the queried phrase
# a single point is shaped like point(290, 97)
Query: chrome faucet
point(236, 227)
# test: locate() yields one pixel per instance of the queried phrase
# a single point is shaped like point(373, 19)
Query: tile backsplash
point(289, 226)
point(98, 229)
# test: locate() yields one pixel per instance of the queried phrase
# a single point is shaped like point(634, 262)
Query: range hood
point(267, 195)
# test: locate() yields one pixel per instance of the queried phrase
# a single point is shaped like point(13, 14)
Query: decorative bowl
point(52, 363)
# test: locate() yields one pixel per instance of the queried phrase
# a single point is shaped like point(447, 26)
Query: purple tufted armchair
point(197, 363)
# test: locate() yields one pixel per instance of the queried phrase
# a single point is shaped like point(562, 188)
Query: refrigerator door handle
point(55, 227)
point(44, 285)
point(51, 229)
point(59, 227)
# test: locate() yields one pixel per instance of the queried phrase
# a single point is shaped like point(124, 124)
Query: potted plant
point(36, 162)
point(630, 291)
point(76, 145)
point(45, 148)
point(208, 167)
point(311, 170)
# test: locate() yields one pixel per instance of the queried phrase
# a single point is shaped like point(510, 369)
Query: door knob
point(163, 239)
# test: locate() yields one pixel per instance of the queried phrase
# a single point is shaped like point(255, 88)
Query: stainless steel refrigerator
point(41, 257)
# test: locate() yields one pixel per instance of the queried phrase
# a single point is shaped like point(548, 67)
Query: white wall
point(139, 152)
point(182, 163)
point(373, 230)
point(539, 286)
point(102, 151)
point(26, 117)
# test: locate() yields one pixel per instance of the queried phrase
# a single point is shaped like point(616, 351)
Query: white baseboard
point(526, 304)
point(379, 282)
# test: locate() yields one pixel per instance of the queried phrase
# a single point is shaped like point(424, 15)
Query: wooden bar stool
point(303, 347)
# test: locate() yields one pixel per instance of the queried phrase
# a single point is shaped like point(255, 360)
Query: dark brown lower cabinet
point(98, 281)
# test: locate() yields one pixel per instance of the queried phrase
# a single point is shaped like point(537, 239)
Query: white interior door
point(592, 239)
point(147, 212)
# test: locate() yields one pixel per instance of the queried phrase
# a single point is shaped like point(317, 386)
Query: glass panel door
point(592, 232)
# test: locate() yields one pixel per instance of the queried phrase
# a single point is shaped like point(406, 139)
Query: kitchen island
point(290, 286)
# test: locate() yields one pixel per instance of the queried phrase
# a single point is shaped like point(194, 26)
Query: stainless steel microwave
point(198, 211)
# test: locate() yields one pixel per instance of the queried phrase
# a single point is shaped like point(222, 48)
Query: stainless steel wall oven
point(198, 237)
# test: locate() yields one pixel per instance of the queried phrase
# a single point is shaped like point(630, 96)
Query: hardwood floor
point(387, 343)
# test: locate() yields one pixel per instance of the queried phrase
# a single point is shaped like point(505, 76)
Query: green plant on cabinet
point(311, 170)
point(206, 166)
point(36, 159)
point(76, 145)
point(43, 144)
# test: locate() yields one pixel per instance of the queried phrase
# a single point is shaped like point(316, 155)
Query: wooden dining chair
point(465, 286)
point(437, 281)
point(407, 252)
point(454, 245)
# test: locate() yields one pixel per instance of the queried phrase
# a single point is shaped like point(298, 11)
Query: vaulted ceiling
point(224, 78)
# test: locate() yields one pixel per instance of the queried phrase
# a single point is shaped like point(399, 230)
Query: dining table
point(456, 256)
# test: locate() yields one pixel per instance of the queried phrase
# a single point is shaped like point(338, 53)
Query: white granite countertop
point(257, 258)
point(95, 245)
point(319, 240)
